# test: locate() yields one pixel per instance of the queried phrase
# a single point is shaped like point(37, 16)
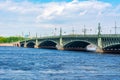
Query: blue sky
point(43, 16)
point(46, 1)
point(113, 2)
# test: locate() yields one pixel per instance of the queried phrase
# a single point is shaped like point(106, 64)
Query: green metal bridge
point(103, 42)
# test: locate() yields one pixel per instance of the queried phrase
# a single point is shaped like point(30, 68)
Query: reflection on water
point(45, 64)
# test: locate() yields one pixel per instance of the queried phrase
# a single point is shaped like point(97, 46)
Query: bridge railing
point(67, 36)
point(75, 35)
point(110, 35)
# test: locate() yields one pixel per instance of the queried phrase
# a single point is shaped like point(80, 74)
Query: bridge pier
point(99, 41)
point(36, 42)
point(99, 50)
point(36, 46)
point(59, 47)
point(18, 44)
point(25, 44)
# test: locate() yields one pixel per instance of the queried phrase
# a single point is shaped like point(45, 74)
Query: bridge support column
point(60, 45)
point(25, 44)
point(99, 50)
point(36, 44)
point(99, 47)
point(18, 44)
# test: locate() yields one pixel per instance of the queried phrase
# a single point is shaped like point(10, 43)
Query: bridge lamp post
point(99, 30)
point(55, 31)
point(99, 40)
point(84, 31)
point(36, 36)
point(73, 30)
point(115, 28)
point(29, 35)
point(64, 32)
point(52, 33)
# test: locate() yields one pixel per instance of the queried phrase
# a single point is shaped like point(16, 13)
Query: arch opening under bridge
point(112, 48)
point(22, 45)
point(76, 45)
point(30, 45)
point(48, 44)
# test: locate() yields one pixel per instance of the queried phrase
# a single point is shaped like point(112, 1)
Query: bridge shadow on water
point(48, 48)
point(117, 53)
point(79, 50)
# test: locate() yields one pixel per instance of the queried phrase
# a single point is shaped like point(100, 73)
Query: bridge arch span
point(112, 48)
point(30, 44)
point(78, 45)
point(49, 44)
point(22, 45)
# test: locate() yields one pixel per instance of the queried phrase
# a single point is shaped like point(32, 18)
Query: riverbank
point(6, 44)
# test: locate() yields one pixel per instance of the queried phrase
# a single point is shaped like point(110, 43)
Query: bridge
point(103, 42)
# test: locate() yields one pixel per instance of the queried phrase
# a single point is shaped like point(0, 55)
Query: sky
point(46, 17)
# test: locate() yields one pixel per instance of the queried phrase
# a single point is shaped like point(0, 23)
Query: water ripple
point(44, 64)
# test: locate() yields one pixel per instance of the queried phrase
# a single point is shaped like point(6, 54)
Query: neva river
point(45, 64)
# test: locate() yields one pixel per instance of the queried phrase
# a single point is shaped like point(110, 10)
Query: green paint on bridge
point(103, 42)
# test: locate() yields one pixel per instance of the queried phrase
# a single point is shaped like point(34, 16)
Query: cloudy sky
point(45, 17)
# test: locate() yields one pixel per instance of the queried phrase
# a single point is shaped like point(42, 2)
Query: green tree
point(10, 39)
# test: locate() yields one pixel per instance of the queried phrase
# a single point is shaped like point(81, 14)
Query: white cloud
point(73, 9)
point(49, 11)
point(21, 7)
point(52, 14)
point(115, 11)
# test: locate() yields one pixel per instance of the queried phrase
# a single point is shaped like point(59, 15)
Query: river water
point(45, 64)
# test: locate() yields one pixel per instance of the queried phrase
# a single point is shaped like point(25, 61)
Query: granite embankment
point(6, 44)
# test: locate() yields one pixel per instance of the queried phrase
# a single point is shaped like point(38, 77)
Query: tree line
point(10, 39)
